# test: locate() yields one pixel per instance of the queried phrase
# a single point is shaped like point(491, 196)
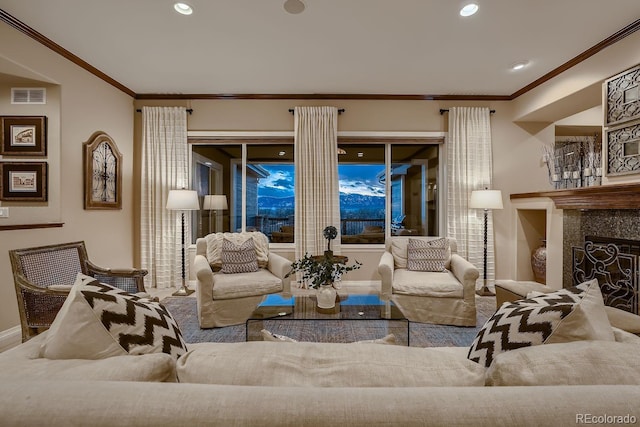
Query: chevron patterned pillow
point(571, 314)
point(98, 321)
point(239, 258)
point(427, 255)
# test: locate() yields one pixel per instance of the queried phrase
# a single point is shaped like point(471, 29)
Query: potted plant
point(321, 272)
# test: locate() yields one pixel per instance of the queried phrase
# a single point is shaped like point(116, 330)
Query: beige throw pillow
point(571, 314)
point(98, 321)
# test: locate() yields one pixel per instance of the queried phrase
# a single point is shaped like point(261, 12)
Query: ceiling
point(398, 47)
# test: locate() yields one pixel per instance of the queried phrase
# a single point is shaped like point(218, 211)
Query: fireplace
point(614, 263)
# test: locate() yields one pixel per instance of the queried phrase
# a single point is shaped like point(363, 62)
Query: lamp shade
point(183, 200)
point(486, 199)
point(215, 202)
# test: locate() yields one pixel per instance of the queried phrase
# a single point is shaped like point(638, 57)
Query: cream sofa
point(319, 384)
point(229, 299)
point(446, 297)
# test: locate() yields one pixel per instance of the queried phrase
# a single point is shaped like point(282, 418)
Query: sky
point(354, 179)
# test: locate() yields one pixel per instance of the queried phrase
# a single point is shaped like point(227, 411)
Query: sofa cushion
point(307, 364)
point(98, 321)
point(427, 255)
point(565, 315)
point(426, 284)
point(231, 286)
point(23, 363)
point(238, 258)
point(573, 363)
point(214, 246)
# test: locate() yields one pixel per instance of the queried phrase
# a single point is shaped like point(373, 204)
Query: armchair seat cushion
point(426, 284)
point(232, 286)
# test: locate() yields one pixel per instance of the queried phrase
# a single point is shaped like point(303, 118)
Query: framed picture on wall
point(25, 182)
point(23, 136)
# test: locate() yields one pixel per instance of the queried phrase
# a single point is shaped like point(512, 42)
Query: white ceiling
point(401, 47)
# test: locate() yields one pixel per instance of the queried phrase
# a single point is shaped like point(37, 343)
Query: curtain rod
point(444, 110)
point(189, 110)
point(340, 110)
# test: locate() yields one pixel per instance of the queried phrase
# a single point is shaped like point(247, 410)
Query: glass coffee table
point(355, 317)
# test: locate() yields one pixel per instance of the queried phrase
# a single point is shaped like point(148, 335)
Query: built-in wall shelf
point(618, 196)
point(31, 226)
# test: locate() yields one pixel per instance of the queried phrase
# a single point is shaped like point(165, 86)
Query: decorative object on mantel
point(102, 173)
point(622, 97)
point(23, 182)
point(622, 122)
point(623, 149)
point(23, 136)
point(322, 273)
point(574, 163)
point(539, 262)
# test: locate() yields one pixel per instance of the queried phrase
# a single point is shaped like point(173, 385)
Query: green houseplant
point(321, 272)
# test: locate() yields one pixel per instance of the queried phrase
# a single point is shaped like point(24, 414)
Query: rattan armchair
point(43, 276)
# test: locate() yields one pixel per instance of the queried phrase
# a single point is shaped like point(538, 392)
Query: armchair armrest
point(385, 269)
point(466, 273)
point(204, 278)
point(128, 279)
point(280, 266)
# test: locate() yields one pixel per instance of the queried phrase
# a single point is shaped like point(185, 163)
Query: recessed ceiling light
point(468, 9)
point(281, 153)
point(341, 151)
point(519, 65)
point(294, 6)
point(183, 8)
point(360, 154)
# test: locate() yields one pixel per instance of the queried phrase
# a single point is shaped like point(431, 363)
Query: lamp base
point(183, 292)
point(485, 292)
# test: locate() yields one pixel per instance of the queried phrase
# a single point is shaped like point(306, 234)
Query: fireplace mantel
point(618, 196)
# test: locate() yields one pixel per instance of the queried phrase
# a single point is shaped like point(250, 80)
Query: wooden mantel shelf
point(619, 196)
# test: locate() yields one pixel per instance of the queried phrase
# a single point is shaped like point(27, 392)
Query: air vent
point(28, 95)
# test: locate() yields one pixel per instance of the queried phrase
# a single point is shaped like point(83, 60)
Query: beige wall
point(87, 104)
point(78, 105)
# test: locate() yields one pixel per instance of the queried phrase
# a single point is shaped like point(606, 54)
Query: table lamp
point(215, 203)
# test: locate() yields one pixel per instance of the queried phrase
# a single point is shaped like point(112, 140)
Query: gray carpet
point(183, 310)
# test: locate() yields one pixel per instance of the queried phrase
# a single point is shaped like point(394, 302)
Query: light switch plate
point(4, 212)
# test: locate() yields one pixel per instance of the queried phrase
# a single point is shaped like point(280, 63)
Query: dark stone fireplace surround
point(607, 211)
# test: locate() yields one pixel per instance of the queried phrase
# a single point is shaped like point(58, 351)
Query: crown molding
point(25, 29)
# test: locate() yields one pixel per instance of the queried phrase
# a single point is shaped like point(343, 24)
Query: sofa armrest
point(204, 278)
point(280, 266)
point(385, 269)
point(466, 273)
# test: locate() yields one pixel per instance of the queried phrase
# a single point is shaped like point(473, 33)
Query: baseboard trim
point(10, 338)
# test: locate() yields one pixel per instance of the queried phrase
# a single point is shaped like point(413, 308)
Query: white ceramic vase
point(326, 296)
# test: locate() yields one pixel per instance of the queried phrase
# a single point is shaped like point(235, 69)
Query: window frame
point(245, 138)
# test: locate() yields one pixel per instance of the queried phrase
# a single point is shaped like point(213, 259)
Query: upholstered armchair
point(44, 275)
point(228, 296)
point(444, 297)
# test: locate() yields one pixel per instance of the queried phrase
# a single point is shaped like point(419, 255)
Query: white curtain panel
point(469, 167)
point(316, 178)
point(165, 166)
